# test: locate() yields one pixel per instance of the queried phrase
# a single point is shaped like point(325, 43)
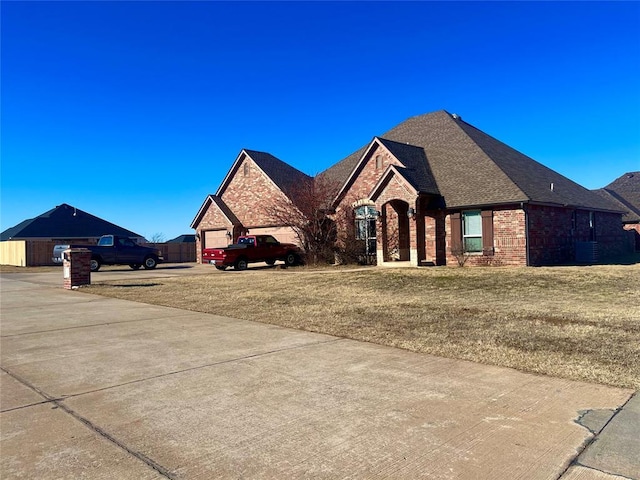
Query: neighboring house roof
point(283, 175)
point(471, 168)
point(625, 191)
point(188, 238)
point(226, 211)
point(65, 222)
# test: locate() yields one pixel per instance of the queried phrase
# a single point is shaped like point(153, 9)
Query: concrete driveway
point(93, 387)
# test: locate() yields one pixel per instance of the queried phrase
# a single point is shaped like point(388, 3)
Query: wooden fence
point(26, 253)
point(176, 252)
point(33, 253)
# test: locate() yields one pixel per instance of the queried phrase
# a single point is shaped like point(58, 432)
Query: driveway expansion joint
point(58, 403)
point(199, 367)
point(75, 327)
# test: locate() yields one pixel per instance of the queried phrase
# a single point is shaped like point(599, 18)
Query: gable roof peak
point(283, 175)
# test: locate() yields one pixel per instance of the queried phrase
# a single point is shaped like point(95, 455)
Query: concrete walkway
point(93, 387)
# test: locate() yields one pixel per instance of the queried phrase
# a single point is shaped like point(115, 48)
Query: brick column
point(76, 266)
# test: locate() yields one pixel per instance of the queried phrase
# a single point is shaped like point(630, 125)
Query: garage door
point(282, 234)
point(215, 238)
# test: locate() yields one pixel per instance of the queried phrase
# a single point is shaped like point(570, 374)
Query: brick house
point(624, 191)
point(432, 190)
point(255, 179)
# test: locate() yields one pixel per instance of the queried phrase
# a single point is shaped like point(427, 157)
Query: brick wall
point(551, 240)
point(554, 231)
point(510, 237)
point(613, 240)
point(212, 219)
point(248, 195)
point(634, 235)
point(509, 240)
point(371, 172)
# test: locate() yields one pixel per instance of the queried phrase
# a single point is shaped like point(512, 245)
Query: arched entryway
point(395, 235)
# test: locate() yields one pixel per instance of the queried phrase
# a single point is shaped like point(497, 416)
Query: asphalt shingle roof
point(417, 169)
point(283, 175)
point(625, 191)
point(471, 168)
point(187, 238)
point(225, 209)
point(65, 222)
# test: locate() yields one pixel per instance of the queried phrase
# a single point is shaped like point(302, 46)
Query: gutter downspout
point(526, 232)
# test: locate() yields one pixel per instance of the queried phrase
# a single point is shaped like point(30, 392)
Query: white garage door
point(215, 238)
point(282, 234)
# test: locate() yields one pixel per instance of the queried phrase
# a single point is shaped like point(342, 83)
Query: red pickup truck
point(250, 249)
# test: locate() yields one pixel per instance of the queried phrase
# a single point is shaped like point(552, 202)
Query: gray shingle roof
point(339, 173)
point(471, 168)
point(225, 209)
point(283, 175)
point(625, 191)
point(65, 222)
point(187, 238)
point(417, 170)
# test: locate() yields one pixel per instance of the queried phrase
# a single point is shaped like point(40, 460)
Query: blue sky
point(135, 111)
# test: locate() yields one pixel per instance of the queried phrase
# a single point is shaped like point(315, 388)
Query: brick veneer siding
point(509, 240)
point(77, 268)
point(435, 237)
point(212, 219)
point(554, 231)
point(634, 234)
point(248, 196)
point(369, 174)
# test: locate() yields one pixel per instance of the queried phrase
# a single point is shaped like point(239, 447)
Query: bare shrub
point(305, 210)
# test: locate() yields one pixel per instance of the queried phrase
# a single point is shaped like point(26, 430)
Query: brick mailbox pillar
point(77, 267)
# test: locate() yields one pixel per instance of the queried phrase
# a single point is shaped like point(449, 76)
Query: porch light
point(229, 235)
point(411, 212)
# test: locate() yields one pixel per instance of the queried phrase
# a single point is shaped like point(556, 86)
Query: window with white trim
point(472, 231)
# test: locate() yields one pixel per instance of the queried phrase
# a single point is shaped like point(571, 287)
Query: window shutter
point(456, 233)
point(487, 232)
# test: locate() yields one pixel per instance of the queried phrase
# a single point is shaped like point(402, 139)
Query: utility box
point(76, 264)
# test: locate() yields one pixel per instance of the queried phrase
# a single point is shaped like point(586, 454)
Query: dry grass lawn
point(580, 323)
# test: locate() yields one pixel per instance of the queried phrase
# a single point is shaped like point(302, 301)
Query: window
point(126, 242)
point(366, 227)
point(472, 231)
point(106, 241)
point(592, 226)
point(271, 240)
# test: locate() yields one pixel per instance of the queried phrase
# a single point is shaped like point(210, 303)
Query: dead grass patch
point(580, 323)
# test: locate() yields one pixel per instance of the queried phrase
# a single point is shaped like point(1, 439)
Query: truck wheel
point(222, 268)
point(95, 264)
point(150, 263)
point(290, 259)
point(135, 266)
point(271, 261)
point(241, 264)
